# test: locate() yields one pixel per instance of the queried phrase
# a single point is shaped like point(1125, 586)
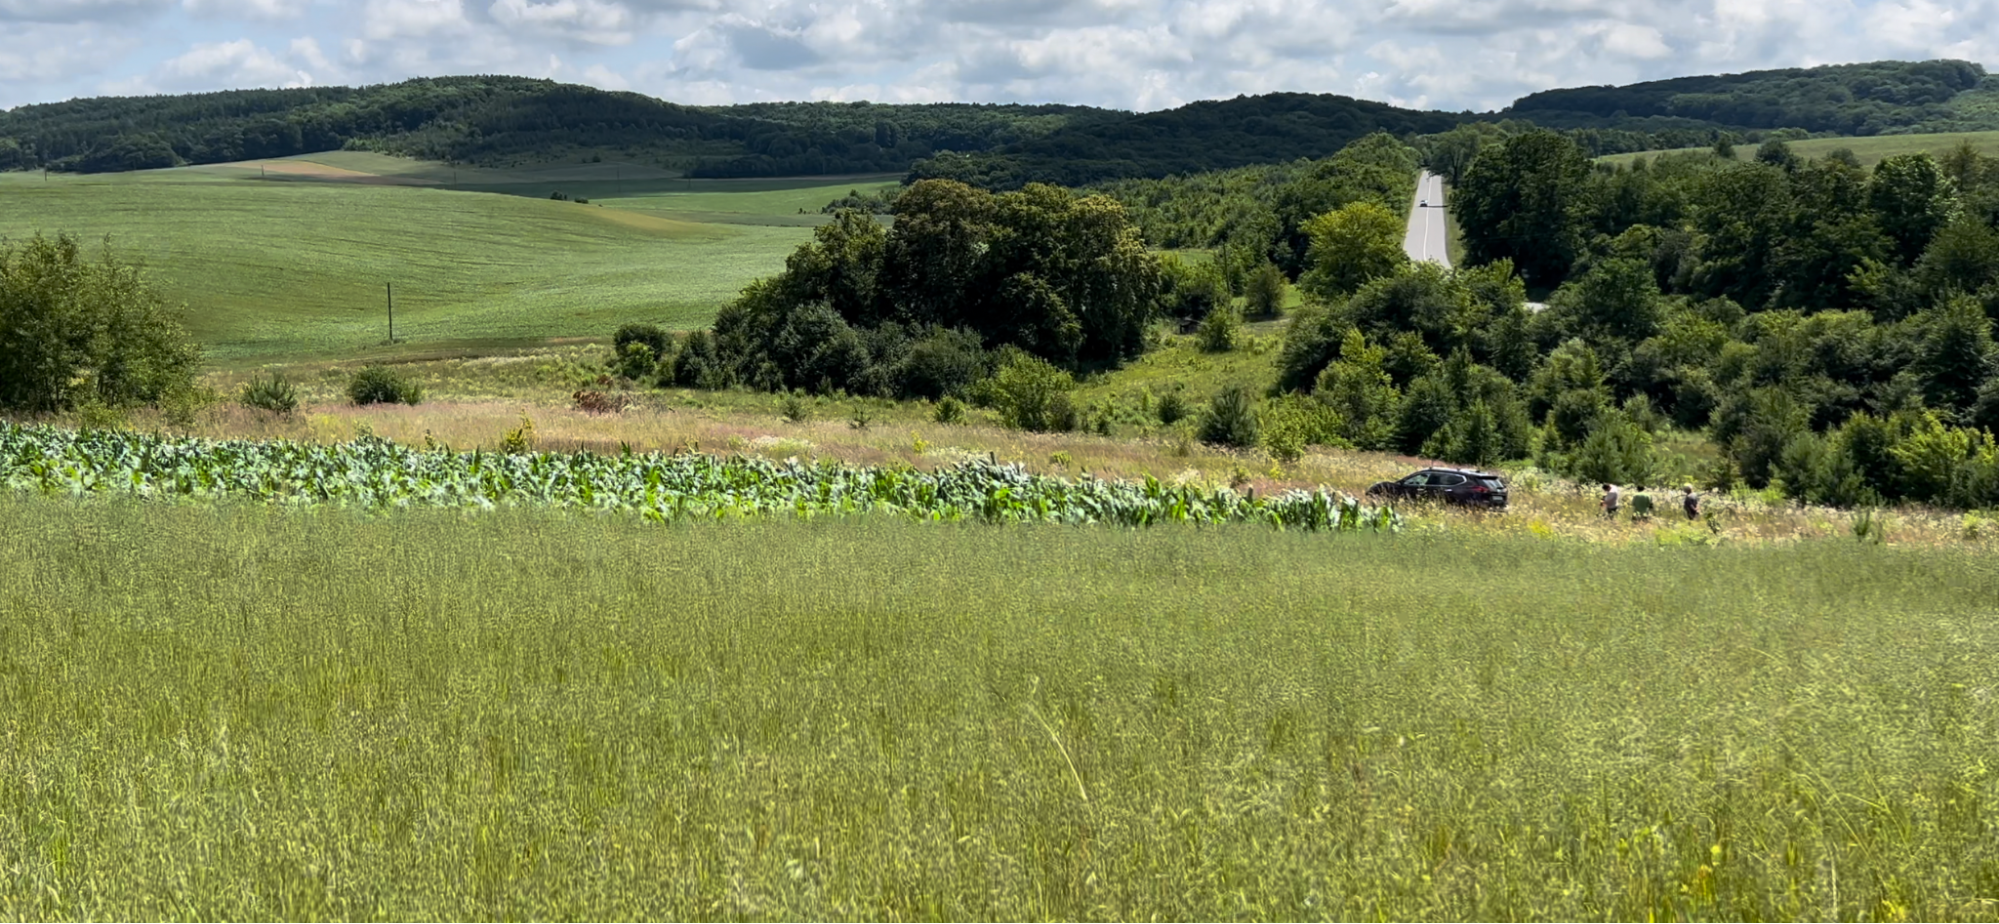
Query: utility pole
point(392, 311)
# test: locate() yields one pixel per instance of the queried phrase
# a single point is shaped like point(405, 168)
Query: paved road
point(1426, 237)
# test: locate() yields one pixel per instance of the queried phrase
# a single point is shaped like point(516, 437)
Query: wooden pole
point(392, 311)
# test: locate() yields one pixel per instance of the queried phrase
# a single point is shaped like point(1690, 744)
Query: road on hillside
point(1426, 237)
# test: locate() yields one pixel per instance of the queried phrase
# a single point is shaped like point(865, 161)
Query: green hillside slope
point(296, 270)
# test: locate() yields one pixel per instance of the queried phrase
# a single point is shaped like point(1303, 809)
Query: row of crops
point(373, 473)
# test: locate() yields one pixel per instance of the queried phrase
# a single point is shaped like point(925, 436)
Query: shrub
point(181, 406)
point(520, 439)
point(381, 385)
point(75, 331)
point(649, 334)
point(1031, 394)
point(271, 393)
point(1172, 408)
point(1231, 420)
point(697, 365)
point(949, 411)
point(1063, 416)
point(1221, 330)
point(597, 402)
point(943, 362)
point(1266, 291)
point(1291, 423)
point(635, 361)
point(795, 407)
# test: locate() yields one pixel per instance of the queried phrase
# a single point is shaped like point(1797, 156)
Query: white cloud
point(239, 63)
point(80, 11)
point(247, 9)
point(306, 49)
point(1631, 41)
point(386, 19)
point(45, 62)
point(590, 21)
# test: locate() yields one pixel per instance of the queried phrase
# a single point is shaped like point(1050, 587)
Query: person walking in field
point(1641, 505)
point(1690, 502)
point(1610, 501)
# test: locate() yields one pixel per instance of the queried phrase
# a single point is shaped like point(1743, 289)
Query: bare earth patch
point(306, 169)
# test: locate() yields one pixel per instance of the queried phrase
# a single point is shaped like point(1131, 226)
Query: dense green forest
point(1828, 327)
point(504, 121)
point(501, 121)
point(1860, 99)
point(1843, 99)
point(1202, 136)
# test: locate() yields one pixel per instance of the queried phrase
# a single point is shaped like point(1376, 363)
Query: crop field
point(295, 270)
point(219, 710)
point(374, 474)
point(1870, 150)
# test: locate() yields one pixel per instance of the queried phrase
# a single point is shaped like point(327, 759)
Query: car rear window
point(1492, 481)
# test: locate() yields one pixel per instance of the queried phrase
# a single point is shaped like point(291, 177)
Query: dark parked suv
point(1467, 486)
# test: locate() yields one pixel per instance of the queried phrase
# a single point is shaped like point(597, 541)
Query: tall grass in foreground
point(214, 712)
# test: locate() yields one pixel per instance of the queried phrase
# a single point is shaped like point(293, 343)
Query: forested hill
point(505, 121)
point(501, 121)
point(1850, 99)
point(1201, 136)
point(1846, 99)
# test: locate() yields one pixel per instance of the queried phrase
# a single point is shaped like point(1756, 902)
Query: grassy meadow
point(1870, 150)
point(228, 711)
point(217, 709)
point(292, 266)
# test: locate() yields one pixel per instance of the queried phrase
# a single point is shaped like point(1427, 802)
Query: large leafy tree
point(1351, 245)
point(1741, 214)
point(74, 330)
point(1615, 300)
point(1523, 200)
point(1912, 199)
point(1955, 354)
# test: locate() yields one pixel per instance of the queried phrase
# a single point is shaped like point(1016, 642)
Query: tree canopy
point(962, 271)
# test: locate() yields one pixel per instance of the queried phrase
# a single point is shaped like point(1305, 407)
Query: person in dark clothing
point(1690, 502)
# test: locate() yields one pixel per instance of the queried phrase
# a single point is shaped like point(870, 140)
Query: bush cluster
point(382, 385)
point(270, 393)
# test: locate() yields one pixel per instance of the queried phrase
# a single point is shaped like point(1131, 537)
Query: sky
point(1126, 54)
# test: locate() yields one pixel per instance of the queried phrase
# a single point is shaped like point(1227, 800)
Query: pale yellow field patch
point(319, 171)
point(665, 227)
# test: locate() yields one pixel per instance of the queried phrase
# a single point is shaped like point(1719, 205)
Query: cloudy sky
point(1133, 54)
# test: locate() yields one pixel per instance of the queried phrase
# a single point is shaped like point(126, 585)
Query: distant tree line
point(1201, 136)
point(503, 121)
point(1844, 99)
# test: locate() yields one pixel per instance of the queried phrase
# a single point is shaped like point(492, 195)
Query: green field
point(220, 712)
point(289, 267)
point(1869, 150)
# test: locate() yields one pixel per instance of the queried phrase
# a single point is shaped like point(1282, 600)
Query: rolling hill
point(511, 122)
